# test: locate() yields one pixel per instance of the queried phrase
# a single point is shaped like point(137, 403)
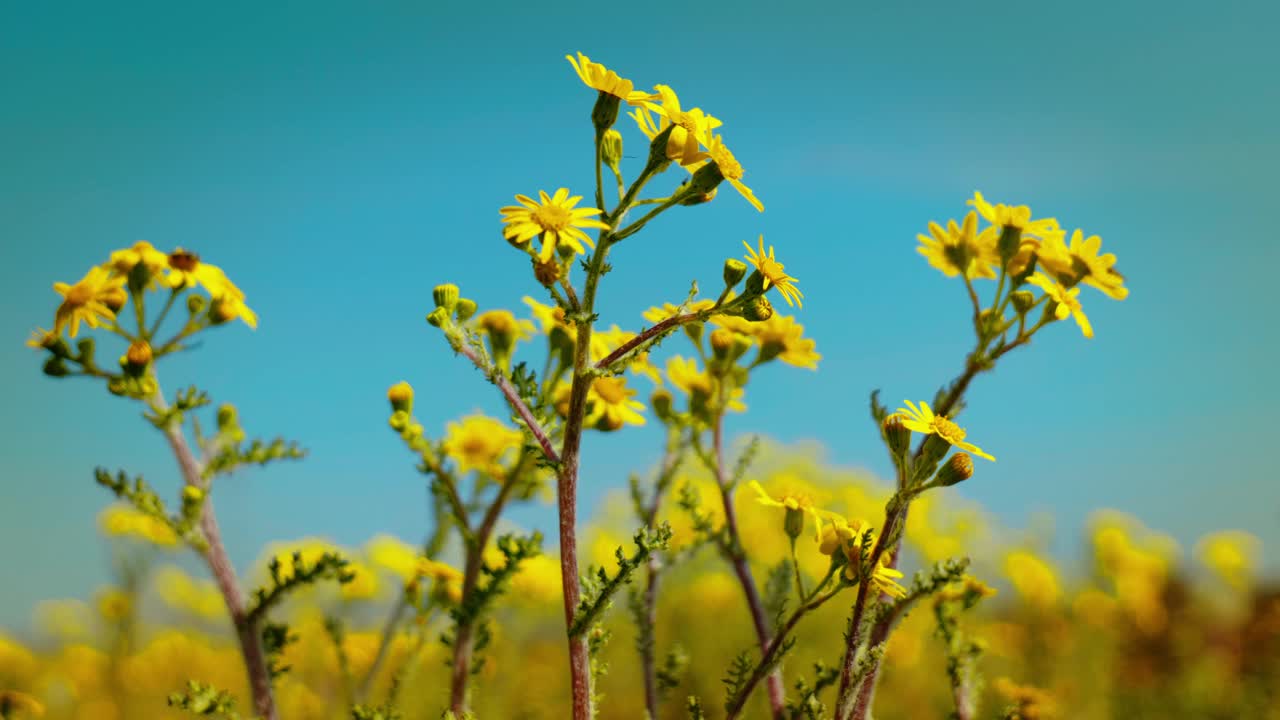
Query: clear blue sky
point(339, 160)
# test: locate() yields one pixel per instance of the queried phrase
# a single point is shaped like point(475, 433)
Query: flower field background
point(515, 402)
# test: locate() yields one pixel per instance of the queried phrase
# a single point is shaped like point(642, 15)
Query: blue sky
point(339, 160)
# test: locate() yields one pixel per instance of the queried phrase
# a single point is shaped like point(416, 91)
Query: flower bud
point(547, 273)
point(228, 417)
point(707, 178)
point(1022, 301)
point(136, 358)
point(658, 158)
point(734, 271)
point(115, 298)
point(896, 435)
point(401, 397)
point(793, 523)
point(721, 342)
point(661, 402)
point(611, 148)
point(1007, 245)
point(438, 317)
point(399, 420)
point(562, 344)
point(445, 296)
point(192, 494)
point(755, 283)
point(693, 197)
point(54, 367)
point(757, 309)
point(502, 329)
point(694, 331)
point(956, 470)
point(465, 308)
point(196, 304)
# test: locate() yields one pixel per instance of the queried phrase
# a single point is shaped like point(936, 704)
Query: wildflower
point(480, 442)
point(1033, 578)
point(124, 521)
point(602, 79)
point(779, 336)
point(667, 311)
point(363, 584)
point(956, 470)
point(1080, 262)
point(393, 554)
point(704, 389)
point(1029, 703)
point(400, 396)
point(553, 218)
point(1014, 216)
point(796, 505)
point(692, 128)
point(852, 539)
point(114, 604)
point(956, 250)
point(42, 339)
point(1232, 555)
point(773, 273)
point(228, 307)
point(503, 331)
point(1066, 301)
point(548, 316)
point(922, 420)
point(447, 579)
point(186, 270)
point(610, 404)
point(723, 166)
point(968, 590)
point(153, 262)
point(85, 301)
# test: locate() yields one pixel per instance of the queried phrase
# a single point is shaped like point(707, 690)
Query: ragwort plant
point(584, 381)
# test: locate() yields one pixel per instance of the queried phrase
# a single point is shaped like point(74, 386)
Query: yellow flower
point(956, 250)
point(86, 301)
point(701, 386)
point(1031, 703)
point(114, 604)
point(186, 270)
point(1014, 216)
point(480, 442)
point(122, 262)
point(447, 579)
point(548, 316)
point(1232, 555)
point(610, 404)
point(309, 553)
point(780, 336)
point(228, 307)
point(658, 314)
point(124, 521)
point(181, 592)
point(793, 502)
point(1067, 300)
point(363, 584)
point(538, 580)
point(851, 538)
point(17, 705)
point(773, 273)
point(42, 339)
point(692, 127)
point(604, 342)
point(731, 169)
point(1033, 578)
point(1080, 262)
point(922, 420)
point(393, 554)
point(553, 218)
point(600, 78)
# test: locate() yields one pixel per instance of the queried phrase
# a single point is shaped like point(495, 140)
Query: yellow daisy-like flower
point(89, 300)
point(731, 169)
point(922, 420)
point(363, 584)
point(42, 339)
point(391, 553)
point(1080, 262)
point(956, 250)
point(230, 307)
point(850, 538)
point(692, 127)
point(604, 342)
point(548, 316)
point(447, 579)
point(701, 386)
point(1015, 216)
point(610, 404)
point(780, 336)
point(600, 78)
point(114, 604)
point(122, 262)
point(774, 274)
point(553, 218)
point(480, 442)
point(1031, 703)
point(180, 592)
point(186, 270)
point(667, 311)
point(124, 521)
point(1067, 299)
point(793, 502)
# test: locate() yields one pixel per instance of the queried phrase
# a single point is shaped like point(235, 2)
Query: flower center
point(475, 446)
point(79, 295)
point(948, 430)
point(610, 390)
point(552, 217)
point(183, 260)
point(729, 165)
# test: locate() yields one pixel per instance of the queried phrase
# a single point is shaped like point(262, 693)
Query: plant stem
point(738, 559)
point(646, 335)
point(513, 398)
point(653, 568)
point(247, 630)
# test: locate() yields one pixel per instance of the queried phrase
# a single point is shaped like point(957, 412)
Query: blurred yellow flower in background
point(1232, 555)
point(1033, 578)
point(184, 593)
point(89, 301)
point(393, 554)
point(1066, 301)
point(123, 521)
point(956, 250)
point(480, 443)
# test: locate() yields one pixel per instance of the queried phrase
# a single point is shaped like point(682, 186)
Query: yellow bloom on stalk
point(122, 262)
point(230, 307)
point(480, 443)
point(1014, 216)
point(363, 585)
point(1033, 578)
point(780, 336)
point(1232, 555)
point(602, 79)
point(180, 592)
point(731, 169)
point(89, 300)
point(114, 604)
point(548, 316)
point(604, 342)
point(850, 538)
point(774, 273)
point(553, 218)
point(922, 420)
point(956, 249)
point(610, 404)
point(667, 311)
point(1066, 299)
point(42, 339)
point(1080, 262)
point(447, 579)
point(393, 554)
point(16, 705)
point(692, 127)
point(701, 386)
point(793, 502)
point(186, 270)
point(124, 521)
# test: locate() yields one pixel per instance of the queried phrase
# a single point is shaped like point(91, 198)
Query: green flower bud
point(793, 523)
point(228, 418)
point(1022, 301)
point(956, 470)
point(661, 402)
point(196, 304)
point(757, 309)
point(611, 148)
point(605, 112)
point(399, 420)
point(707, 178)
point(694, 331)
point(658, 159)
point(438, 317)
point(115, 386)
point(54, 367)
point(755, 283)
point(896, 435)
point(561, 344)
point(465, 308)
point(446, 296)
point(1007, 245)
point(400, 396)
point(734, 271)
